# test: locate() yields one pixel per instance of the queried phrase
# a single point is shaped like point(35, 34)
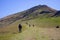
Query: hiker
point(33, 25)
point(26, 23)
point(20, 28)
point(57, 26)
point(29, 25)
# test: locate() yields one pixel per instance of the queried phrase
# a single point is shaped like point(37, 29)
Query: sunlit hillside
point(38, 23)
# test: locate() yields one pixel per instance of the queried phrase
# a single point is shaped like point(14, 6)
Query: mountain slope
point(38, 23)
point(44, 29)
point(28, 14)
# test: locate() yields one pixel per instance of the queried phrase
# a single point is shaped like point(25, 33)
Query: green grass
point(6, 36)
point(31, 34)
point(46, 22)
point(44, 29)
point(34, 33)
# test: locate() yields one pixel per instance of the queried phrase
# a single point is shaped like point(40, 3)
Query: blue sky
point(8, 7)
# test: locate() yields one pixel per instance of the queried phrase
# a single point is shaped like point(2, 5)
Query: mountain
point(33, 12)
point(57, 13)
point(38, 23)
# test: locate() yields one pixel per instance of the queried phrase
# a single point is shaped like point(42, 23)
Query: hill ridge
point(32, 12)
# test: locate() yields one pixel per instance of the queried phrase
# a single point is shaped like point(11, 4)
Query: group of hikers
point(20, 27)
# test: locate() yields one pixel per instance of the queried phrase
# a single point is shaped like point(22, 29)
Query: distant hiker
point(57, 26)
point(26, 23)
point(29, 25)
point(20, 27)
point(52, 39)
point(33, 25)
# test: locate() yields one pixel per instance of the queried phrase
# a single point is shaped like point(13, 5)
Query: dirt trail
point(39, 34)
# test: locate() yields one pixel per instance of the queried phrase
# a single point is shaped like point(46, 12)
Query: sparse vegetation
point(41, 30)
point(35, 26)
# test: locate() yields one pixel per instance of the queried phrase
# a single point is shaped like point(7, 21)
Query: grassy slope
point(44, 30)
point(34, 33)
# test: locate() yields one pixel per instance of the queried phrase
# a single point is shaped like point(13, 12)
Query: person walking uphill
point(20, 28)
